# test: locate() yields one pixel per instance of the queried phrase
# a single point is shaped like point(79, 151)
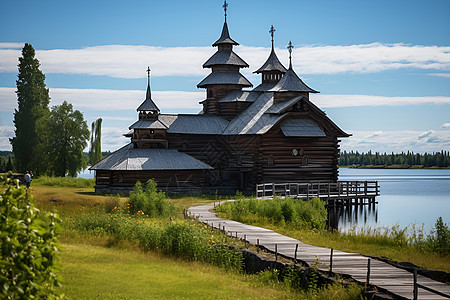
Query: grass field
point(100, 267)
point(99, 272)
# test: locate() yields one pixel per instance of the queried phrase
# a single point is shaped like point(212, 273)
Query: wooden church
point(242, 137)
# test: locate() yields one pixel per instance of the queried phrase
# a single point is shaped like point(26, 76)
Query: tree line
point(47, 140)
point(436, 159)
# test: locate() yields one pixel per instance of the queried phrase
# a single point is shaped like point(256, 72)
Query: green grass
point(98, 265)
point(96, 272)
point(64, 181)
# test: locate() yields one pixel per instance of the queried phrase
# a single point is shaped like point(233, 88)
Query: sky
point(382, 67)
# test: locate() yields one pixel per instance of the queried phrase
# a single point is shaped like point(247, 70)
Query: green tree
point(95, 152)
point(33, 100)
point(67, 134)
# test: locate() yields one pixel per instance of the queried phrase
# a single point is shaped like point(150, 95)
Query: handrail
point(418, 285)
point(319, 189)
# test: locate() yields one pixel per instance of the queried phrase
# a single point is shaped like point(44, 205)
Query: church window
point(270, 160)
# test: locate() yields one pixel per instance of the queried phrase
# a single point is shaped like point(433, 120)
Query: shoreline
point(398, 167)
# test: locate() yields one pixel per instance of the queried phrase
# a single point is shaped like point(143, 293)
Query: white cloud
point(6, 132)
point(113, 139)
point(113, 118)
point(11, 45)
point(397, 141)
point(445, 75)
point(446, 125)
point(108, 100)
point(125, 61)
point(324, 100)
point(425, 134)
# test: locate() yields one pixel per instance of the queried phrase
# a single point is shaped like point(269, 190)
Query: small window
point(270, 160)
point(120, 177)
point(305, 160)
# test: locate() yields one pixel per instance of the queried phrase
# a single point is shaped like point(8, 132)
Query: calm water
point(86, 173)
point(407, 197)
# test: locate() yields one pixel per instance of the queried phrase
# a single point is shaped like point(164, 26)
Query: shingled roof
point(148, 104)
point(290, 82)
point(225, 57)
point(301, 128)
point(272, 64)
point(128, 158)
point(225, 77)
point(225, 37)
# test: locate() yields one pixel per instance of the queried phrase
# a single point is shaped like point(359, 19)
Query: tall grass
point(288, 212)
point(186, 239)
point(64, 181)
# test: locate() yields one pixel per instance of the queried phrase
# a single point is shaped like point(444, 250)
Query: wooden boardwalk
point(395, 280)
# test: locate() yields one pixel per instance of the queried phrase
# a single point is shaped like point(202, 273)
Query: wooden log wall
point(316, 158)
point(164, 179)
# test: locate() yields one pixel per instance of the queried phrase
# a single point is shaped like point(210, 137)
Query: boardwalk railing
point(339, 190)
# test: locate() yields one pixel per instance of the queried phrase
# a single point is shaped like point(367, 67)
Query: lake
point(407, 196)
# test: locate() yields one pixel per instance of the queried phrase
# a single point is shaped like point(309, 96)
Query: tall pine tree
point(33, 100)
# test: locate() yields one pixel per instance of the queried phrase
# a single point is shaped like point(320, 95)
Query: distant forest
point(402, 160)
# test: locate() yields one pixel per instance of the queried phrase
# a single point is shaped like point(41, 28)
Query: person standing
point(27, 179)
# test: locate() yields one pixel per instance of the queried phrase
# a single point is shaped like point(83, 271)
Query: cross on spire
point(148, 74)
point(290, 47)
point(272, 31)
point(225, 6)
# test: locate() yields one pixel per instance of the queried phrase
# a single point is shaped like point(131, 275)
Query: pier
point(335, 193)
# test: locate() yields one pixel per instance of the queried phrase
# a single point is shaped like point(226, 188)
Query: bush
point(150, 202)
point(28, 245)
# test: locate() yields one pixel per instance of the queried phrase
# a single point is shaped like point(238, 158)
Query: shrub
point(150, 202)
point(28, 245)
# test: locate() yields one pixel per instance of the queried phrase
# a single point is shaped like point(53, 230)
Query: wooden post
point(212, 226)
point(328, 190)
point(368, 272)
point(331, 261)
point(245, 241)
point(273, 190)
point(415, 291)
point(264, 190)
point(365, 187)
point(276, 252)
point(257, 245)
point(295, 253)
point(307, 191)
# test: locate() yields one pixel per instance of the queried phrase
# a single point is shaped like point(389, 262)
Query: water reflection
point(344, 217)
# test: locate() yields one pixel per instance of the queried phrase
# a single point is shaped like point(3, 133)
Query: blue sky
point(383, 67)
